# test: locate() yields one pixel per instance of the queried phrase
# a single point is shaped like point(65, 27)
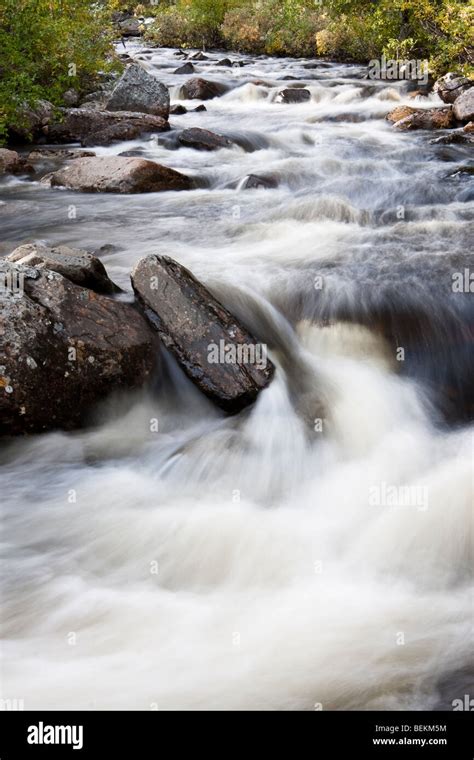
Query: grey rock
point(293, 95)
point(76, 265)
point(64, 349)
point(187, 68)
point(451, 86)
point(464, 106)
point(197, 329)
point(139, 91)
point(96, 127)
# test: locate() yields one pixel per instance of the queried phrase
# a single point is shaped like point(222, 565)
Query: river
point(316, 551)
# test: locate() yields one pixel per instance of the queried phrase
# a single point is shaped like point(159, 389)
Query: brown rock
point(12, 163)
point(117, 174)
point(91, 127)
point(432, 118)
point(211, 346)
point(64, 349)
point(203, 139)
point(400, 112)
point(201, 89)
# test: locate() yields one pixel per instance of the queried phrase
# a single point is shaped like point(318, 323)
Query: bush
point(47, 47)
point(273, 27)
point(189, 23)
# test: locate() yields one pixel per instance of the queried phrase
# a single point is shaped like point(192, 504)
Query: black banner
point(375, 734)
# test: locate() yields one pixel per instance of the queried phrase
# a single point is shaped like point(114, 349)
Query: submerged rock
point(293, 95)
point(202, 89)
point(203, 139)
point(186, 68)
point(58, 154)
point(256, 181)
point(78, 266)
point(177, 110)
point(117, 174)
point(64, 349)
point(213, 349)
point(137, 90)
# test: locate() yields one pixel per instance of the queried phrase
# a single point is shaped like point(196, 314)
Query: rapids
point(268, 560)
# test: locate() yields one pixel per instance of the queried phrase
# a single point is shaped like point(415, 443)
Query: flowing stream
point(317, 549)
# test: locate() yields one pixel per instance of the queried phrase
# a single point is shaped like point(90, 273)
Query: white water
point(242, 563)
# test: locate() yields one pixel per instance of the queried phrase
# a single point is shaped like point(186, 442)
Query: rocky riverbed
point(256, 530)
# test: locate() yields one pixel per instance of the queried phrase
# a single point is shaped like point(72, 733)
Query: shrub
point(47, 47)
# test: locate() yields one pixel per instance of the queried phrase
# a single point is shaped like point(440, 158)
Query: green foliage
point(438, 30)
point(47, 47)
point(275, 27)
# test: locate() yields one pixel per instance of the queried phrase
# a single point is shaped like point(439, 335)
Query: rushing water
point(264, 561)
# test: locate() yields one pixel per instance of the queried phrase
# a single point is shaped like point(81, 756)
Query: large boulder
point(202, 89)
point(91, 127)
point(64, 348)
point(203, 139)
point(213, 349)
point(259, 181)
point(451, 86)
point(117, 174)
point(464, 106)
point(293, 95)
point(12, 163)
point(432, 118)
point(137, 90)
point(78, 266)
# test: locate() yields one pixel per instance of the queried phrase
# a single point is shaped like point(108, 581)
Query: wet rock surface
point(117, 174)
point(80, 267)
point(97, 127)
point(137, 90)
point(196, 328)
point(202, 89)
point(12, 163)
point(64, 349)
point(203, 139)
point(451, 86)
